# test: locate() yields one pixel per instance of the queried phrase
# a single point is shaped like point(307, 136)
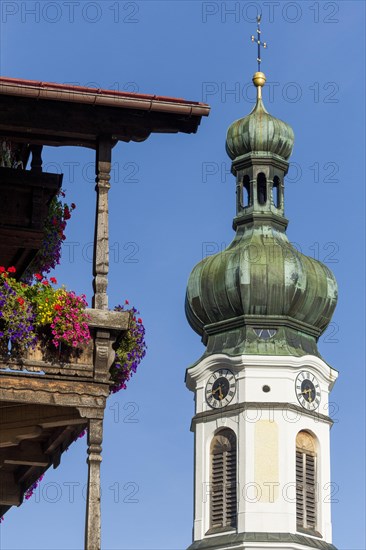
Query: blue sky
point(172, 201)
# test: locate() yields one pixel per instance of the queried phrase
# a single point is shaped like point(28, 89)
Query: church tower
point(261, 425)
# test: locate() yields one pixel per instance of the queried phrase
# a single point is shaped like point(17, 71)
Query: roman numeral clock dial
point(308, 391)
point(220, 388)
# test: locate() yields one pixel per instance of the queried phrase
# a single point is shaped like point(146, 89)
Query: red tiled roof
point(82, 94)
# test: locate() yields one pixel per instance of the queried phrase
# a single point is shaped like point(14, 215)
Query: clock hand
point(308, 391)
point(221, 396)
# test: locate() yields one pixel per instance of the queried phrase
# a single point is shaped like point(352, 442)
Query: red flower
point(45, 282)
point(127, 302)
point(2, 269)
point(38, 276)
point(139, 320)
point(12, 269)
point(53, 280)
point(20, 300)
point(57, 307)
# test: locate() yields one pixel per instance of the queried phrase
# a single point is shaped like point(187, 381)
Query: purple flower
point(130, 352)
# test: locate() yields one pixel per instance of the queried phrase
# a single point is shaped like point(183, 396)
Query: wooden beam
point(41, 139)
point(25, 180)
point(9, 490)
point(28, 453)
point(80, 122)
point(57, 438)
point(18, 237)
point(29, 421)
point(10, 437)
point(43, 415)
point(71, 393)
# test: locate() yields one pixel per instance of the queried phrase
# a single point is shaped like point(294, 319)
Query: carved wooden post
point(93, 522)
point(38, 203)
point(101, 234)
point(36, 164)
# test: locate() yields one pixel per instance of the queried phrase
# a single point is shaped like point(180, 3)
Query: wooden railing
point(92, 362)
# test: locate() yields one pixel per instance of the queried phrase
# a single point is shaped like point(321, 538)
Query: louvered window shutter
point(217, 490)
point(223, 480)
point(230, 494)
point(306, 502)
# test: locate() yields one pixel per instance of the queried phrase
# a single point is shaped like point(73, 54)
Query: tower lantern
point(261, 424)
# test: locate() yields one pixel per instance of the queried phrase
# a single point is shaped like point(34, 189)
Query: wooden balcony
point(25, 196)
point(47, 399)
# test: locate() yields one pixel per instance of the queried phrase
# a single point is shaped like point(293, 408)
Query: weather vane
point(258, 40)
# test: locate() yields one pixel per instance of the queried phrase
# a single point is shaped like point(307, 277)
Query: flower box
point(47, 353)
point(51, 331)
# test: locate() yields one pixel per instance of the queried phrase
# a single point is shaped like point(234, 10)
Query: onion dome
point(260, 282)
point(259, 131)
point(260, 295)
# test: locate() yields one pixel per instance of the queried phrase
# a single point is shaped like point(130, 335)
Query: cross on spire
point(258, 41)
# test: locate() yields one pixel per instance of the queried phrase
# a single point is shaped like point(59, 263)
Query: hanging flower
point(48, 257)
point(131, 351)
point(33, 487)
point(17, 319)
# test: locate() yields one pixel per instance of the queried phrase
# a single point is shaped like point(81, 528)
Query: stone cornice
point(238, 408)
point(262, 321)
point(280, 222)
point(235, 540)
point(259, 158)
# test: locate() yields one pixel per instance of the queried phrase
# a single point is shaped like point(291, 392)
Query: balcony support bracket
point(104, 355)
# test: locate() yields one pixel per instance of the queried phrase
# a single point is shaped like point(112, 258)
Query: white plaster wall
point(252, 372)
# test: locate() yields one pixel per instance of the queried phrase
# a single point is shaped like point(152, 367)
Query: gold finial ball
point(259, 79)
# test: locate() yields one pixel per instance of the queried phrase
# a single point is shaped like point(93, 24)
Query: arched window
point(276, 194)
point(223, 480)
point(246, 198)
point(306, 486)
point(261, 189)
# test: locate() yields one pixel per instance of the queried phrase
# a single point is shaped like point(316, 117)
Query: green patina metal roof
point(260, 280)
point(259, 132)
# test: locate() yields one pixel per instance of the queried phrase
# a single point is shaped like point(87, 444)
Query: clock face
point(308, 390)
point(220, 388)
